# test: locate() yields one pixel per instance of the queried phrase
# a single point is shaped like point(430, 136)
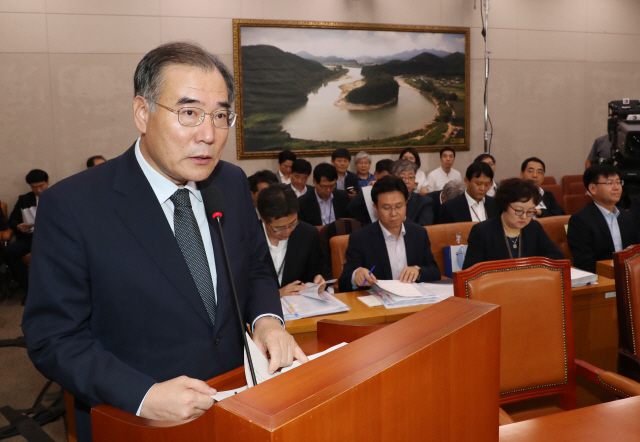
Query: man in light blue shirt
point(600, 228)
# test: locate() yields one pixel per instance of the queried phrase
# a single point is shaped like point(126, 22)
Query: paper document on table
point(580, 278)
point(441, 291)
point(370, 300)
point(225, 394)
point(261, 363)
point(312, 290)
point(398, 288)
point(298, 307)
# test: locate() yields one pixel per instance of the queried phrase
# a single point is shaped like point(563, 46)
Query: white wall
point(66, 70)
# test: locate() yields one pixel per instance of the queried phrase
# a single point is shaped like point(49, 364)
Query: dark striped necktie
point(190, 242)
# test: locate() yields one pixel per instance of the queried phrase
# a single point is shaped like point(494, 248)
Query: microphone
point(214, 205)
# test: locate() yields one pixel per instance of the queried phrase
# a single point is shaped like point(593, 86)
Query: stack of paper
point(411, 294)
point(581, 278)
point(311, 303)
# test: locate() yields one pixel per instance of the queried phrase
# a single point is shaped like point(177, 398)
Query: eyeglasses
point(612, 183)
point(194, 116)
point(284, 228)
point(331, 187)
point(530, 213)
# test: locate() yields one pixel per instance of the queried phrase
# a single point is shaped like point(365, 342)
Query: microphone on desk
point(214, 205)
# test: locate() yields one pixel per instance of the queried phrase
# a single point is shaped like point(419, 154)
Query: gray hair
point(148, 80)
point(400, 166)
point(452, 189)
point(362, 154)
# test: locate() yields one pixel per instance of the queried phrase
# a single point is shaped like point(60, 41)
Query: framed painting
point(312, 87)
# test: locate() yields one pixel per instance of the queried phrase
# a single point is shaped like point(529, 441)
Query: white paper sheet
point(399, 288)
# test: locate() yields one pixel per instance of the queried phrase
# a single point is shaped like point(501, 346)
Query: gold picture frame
point(314, 86)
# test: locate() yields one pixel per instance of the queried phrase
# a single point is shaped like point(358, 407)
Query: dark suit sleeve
point(314, 263)
point(3, 222)
point(355, 258)
point(351, 180)
point(56, 318)
point(580, 238)
point(635, 212)
point(425, 216)
point(357, 207)
point(16, 214)
point(446, 216)
point(304, 214)
point(429, 270)
point(476, 251)
point(553, 208)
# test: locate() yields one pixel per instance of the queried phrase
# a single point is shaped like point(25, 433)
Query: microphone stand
point(217, 217)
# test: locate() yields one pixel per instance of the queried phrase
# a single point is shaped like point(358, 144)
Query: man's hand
point(423, 191)
point(178, 399)
point(24, 227)
point(317, 280)
point(292, 289)
point(269, 335)
point(409, 274)
point(538, 212)
point(361, 275)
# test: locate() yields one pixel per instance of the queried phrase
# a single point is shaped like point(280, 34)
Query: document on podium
point(261, 368)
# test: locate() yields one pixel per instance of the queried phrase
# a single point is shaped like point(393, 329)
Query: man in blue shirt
point(599, 228)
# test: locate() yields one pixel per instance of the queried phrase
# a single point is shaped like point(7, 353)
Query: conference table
point(595, 325)
point(613, 421)
point(605, 268)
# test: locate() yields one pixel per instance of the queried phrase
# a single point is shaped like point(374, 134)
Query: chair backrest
point(576, 188)
point(536, 348)
point(626, 265)
point(557, 190)
point(341, 226)
point(554, 226)
point(338, 254)
point(3, 205)
point(441, 235)
point(573, 203)
point(549, 180)
point(567, 179)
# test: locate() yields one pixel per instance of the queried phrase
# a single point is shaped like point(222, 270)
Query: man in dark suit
point(348, 181)
point(398, 249)
point(534, 169)
point(38, 180)
point(130, 302)
point(326, 203)
point(450, 190)
point(599, 228)
point(294, 256)
point(300, 171)
point(473, 204)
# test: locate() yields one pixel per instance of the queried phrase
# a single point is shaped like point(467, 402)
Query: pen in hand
point(370, 272)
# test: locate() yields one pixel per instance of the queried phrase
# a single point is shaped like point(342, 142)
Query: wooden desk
point(614, 421)
point(595, 328)
point(595, 325)
point(605, 268)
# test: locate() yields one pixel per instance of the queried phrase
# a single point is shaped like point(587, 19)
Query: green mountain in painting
point(278, 81)
point(423, 64)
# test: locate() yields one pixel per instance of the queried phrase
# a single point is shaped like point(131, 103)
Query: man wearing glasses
point(599, 229)
point(327, 203)
point(130, 299)
point(294, 250)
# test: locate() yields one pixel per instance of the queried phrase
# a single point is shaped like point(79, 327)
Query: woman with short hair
point(411, 154)
point(513, 234)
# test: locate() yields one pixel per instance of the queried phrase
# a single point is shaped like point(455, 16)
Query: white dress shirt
point(438, 178)
point(477, 209)
point(612, 222)
point(299, 193)
point(326, 209)
point(277, 253)
point(396, 251)
point(282, 179)
point(421, 179)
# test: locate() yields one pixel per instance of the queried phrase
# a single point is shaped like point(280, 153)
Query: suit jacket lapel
point(140, 211)
point(380, 251)
point(463, 206)
point(605, 233)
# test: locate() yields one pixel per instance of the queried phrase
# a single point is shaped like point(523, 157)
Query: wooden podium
point(431, 376)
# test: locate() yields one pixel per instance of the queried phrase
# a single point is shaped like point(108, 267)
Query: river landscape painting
point(313, 87)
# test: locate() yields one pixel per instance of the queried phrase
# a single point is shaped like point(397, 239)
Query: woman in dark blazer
point(513, 234)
